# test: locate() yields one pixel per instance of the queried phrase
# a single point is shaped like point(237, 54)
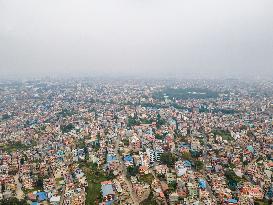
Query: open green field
point(224, 134)
point(187, 93)
point(146, 178)
point(94, 177)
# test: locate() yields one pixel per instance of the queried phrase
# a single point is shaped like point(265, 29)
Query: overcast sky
point(218, 38)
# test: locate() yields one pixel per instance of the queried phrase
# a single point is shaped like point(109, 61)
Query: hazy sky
point(136, 37)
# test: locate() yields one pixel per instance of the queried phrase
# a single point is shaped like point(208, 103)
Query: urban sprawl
point(146, 142)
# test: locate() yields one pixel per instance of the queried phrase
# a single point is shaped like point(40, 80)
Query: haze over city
point(136, 102)
point(154, 38)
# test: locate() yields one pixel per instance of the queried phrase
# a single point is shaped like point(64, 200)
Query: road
point(205, 156)
point(153, 173)
point(123, 170)
point(250, 163)
point(19, 193)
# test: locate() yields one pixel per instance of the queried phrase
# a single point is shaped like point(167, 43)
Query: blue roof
point(41, 196)
point(107, 189)
point(60, 152)
point(232, 201)
point(109, 202)
point(34, 203)
point(187, 163)
point(128, 158)
point(269, 194)
point(202, 183)
point(111, 158)
point(150, 132)
point(184, 145)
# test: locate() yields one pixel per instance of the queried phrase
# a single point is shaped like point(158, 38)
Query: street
point(124, 171)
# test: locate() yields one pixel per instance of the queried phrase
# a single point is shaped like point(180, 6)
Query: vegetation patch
point(94, 177)
point(67, 128)
point(13, 201)
point(5, 117)
point(232, 179)
point(187, 93)
point(168, 158)
point(10, 147)
point(224, 134)
point(146, 178)
point(65, 113)
point(150, 200)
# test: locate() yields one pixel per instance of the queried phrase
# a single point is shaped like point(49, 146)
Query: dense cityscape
point(139, 142)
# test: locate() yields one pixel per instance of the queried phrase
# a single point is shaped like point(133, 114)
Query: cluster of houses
point(151, 150)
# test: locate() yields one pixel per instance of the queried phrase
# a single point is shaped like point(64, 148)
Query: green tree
point(40, 183)
point(13, 201)
point(186, 155)
point(199, 165)
point(150, 200)
point(172, 186)
point(233, 179)
point(158, 136)
point(132, 170)
point(168, 158)
point(67, 128)
point(132, 121)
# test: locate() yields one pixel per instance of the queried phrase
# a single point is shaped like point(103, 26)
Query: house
point(107, 192)
point(151, 155)
point(231, 201)
point(110, 158)
point(187, 164)
point(161, 169)
point(41, 196)
point(170, 177)
point(180, 171)
point(55, 199)
point(173, 197)
point(128, 160)
point(202, 183)
point(143, 170)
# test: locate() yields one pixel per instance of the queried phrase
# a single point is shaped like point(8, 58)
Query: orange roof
point(106, 182)
point(181, 193)
point(255, 190)
point(143, 168)
point(161, 194)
